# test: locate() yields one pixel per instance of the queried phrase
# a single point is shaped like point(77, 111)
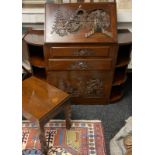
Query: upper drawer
point(80, 64)
point(102, 51)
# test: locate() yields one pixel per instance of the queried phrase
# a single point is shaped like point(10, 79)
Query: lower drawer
point(80, 64)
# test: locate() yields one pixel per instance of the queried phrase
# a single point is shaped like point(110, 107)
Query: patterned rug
point(84, 138)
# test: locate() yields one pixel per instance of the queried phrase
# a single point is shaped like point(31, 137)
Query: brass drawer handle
point(80, 65)
point(84, 52)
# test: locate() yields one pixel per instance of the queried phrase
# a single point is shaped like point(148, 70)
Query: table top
point(40, 98)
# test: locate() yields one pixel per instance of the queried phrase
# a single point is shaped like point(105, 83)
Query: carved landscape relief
point(70, 22)
point(90, 88)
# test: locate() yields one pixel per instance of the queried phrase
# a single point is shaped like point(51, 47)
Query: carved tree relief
point(69, 22)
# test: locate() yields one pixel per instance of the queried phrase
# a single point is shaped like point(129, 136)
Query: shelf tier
point(35, 37)
point(39, 72)
point(115, 96)
point(37, 61)
point(119, 80)
point(40, 76)
point(117, 92)
point(122, 62)
point(120, 75)
point(124, 36)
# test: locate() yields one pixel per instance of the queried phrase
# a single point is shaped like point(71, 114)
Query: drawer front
point(80, 64)
point(80, 51)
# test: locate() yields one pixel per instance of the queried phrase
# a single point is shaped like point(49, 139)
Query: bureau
point(79, 51)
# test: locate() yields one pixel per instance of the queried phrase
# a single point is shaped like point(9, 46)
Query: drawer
point(102, 51)
point(80, 64)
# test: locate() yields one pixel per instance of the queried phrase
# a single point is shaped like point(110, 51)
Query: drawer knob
point(84, 52)
point(80, 65)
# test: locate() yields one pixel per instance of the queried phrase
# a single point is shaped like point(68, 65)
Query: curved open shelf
point(36, 55)
point(116, 93)
point(39, 72)
point(37, 61)
point(115, 96)
point(123, 62)
point(119, 80)
point(35, 37)
point(119, 76)
point(123, 57)
point(124, 36)
point(35, 44)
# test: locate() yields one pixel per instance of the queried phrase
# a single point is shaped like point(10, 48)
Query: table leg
point(42, 138)
point(67, 111)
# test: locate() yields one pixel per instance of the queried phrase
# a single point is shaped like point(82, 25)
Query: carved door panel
point(85, 84)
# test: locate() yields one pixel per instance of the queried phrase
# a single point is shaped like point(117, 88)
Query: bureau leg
point(67, 111)
point(42, 138)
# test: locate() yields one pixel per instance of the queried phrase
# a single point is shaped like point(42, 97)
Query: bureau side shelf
point(123, 59)
point(35, 45)
point(35, 37)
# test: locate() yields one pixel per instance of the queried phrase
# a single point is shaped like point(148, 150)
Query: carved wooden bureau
point(80, 51)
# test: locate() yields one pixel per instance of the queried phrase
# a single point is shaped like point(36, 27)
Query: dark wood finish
point(77, 62)
point(124, 52)
point(116, 95)
point(35, 41)
point(37, 61)
point(123, 59)
point(68, 11)
point(80, 64)
point(67, 111)
point(71, 61)
point(119, 79)
point(39, 97)
point(119, 75)
point(102, 51)
point(123, 62)
point(82, 84)
point(41, 102)
point(39, 72)
point(117, 92)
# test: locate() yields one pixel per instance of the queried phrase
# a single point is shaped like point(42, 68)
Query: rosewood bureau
point(81, 52)
point(81, 48)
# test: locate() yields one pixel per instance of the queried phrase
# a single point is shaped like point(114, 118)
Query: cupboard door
point(85, 84)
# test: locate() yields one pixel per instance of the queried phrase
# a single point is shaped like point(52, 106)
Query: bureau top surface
point(80, 23)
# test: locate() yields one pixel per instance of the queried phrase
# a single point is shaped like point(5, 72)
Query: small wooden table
point(41, 102)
